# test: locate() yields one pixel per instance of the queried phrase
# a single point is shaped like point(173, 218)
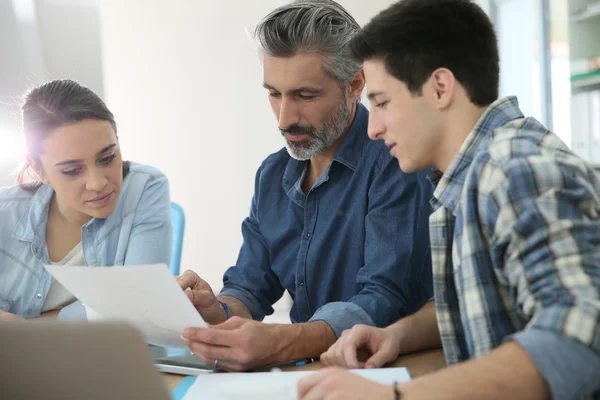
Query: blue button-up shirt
point(137, 232)
point(355, 249)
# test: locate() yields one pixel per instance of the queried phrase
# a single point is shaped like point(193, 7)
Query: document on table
point(146, 296)
point(273, 385)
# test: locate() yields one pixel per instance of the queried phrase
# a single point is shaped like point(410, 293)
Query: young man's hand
point(382, 346)
point(335, 383)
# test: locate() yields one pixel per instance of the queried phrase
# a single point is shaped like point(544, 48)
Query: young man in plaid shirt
point(515, 232)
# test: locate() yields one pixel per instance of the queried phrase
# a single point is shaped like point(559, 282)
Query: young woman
point(77, 202)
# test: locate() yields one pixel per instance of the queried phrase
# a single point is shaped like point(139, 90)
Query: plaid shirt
point(515, 238)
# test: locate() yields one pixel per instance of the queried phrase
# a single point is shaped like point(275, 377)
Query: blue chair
point(178, 221)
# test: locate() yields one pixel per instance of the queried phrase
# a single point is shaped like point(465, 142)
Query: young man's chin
point(408, 167)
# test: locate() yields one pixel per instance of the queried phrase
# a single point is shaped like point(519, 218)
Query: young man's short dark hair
point(415, 37)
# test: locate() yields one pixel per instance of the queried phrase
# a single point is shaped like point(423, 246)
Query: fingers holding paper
point(202, 297)
point(239, 344)
point(191, 280)
point(337, 384)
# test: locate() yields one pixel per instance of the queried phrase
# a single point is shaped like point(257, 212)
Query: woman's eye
point(107, 160)
point(70, 172)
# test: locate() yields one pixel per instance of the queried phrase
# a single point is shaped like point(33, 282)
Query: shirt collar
point(448, 185)
point(37, 216)
point(350, 150)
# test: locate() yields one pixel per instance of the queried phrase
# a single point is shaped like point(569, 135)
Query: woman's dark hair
point(52, 105)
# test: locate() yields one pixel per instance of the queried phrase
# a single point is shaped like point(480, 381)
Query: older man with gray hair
point(331, 221)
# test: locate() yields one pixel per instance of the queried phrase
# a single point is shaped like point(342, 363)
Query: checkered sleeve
point(543, 216)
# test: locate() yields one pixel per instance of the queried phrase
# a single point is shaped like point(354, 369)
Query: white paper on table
point(146, 296)
point(273, 385)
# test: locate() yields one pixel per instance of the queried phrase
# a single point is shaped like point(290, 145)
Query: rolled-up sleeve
point(396, 277)
point(571, 369)
point(547, 239)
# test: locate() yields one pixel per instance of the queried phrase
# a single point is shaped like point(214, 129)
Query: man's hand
point(239, 344)
point(337, 384)
point(202, 297)
point(6, 316)
point(382, 345)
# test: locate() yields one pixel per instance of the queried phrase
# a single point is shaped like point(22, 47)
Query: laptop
point(183, 364)
point(74, 361)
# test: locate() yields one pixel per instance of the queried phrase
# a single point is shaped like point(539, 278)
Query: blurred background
point(184, 82)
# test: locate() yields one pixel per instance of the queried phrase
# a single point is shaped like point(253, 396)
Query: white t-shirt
point(58, 296)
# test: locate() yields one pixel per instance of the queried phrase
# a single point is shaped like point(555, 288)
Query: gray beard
point(322, 138)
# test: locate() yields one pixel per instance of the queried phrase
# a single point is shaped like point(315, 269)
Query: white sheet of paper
point(146, 296)
point(273, 385)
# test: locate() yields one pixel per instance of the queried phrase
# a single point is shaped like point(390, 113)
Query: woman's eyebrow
point(98, 154)
point(107, 148)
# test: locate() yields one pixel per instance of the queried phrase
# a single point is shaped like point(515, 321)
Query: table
point(418, 364)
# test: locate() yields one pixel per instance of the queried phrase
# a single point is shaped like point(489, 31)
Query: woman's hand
point(6, 316)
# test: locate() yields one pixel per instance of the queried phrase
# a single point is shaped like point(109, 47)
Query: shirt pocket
point(5, 303)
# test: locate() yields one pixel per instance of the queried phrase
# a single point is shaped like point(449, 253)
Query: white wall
point(518, 24)
point(42, 40)
point(184, 81)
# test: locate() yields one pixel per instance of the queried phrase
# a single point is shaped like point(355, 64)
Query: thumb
point(201, 298)
point(231, 324)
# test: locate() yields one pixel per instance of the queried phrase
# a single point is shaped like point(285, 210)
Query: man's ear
point(443, 84)
point(356, 87)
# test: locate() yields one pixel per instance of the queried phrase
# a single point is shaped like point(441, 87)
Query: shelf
point(583, 81)
point(591, 11)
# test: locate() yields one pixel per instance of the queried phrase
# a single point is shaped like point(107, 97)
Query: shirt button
point(89, 229)
point(307, 235)
point(93, 261)
point(39, 295)
point(301, 283)
point(36, 250)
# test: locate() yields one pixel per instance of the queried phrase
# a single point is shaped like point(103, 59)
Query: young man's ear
point(443, 84)
point(37, 168)
point(356, 87)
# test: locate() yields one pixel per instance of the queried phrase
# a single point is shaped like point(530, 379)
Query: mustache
point(309, 130)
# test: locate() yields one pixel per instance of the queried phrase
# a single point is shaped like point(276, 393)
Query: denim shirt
point(355, 249)
point(137, 232)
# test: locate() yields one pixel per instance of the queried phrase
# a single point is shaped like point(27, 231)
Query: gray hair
point(321, 26)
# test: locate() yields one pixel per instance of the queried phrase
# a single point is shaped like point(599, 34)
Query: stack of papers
point(272, 385)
